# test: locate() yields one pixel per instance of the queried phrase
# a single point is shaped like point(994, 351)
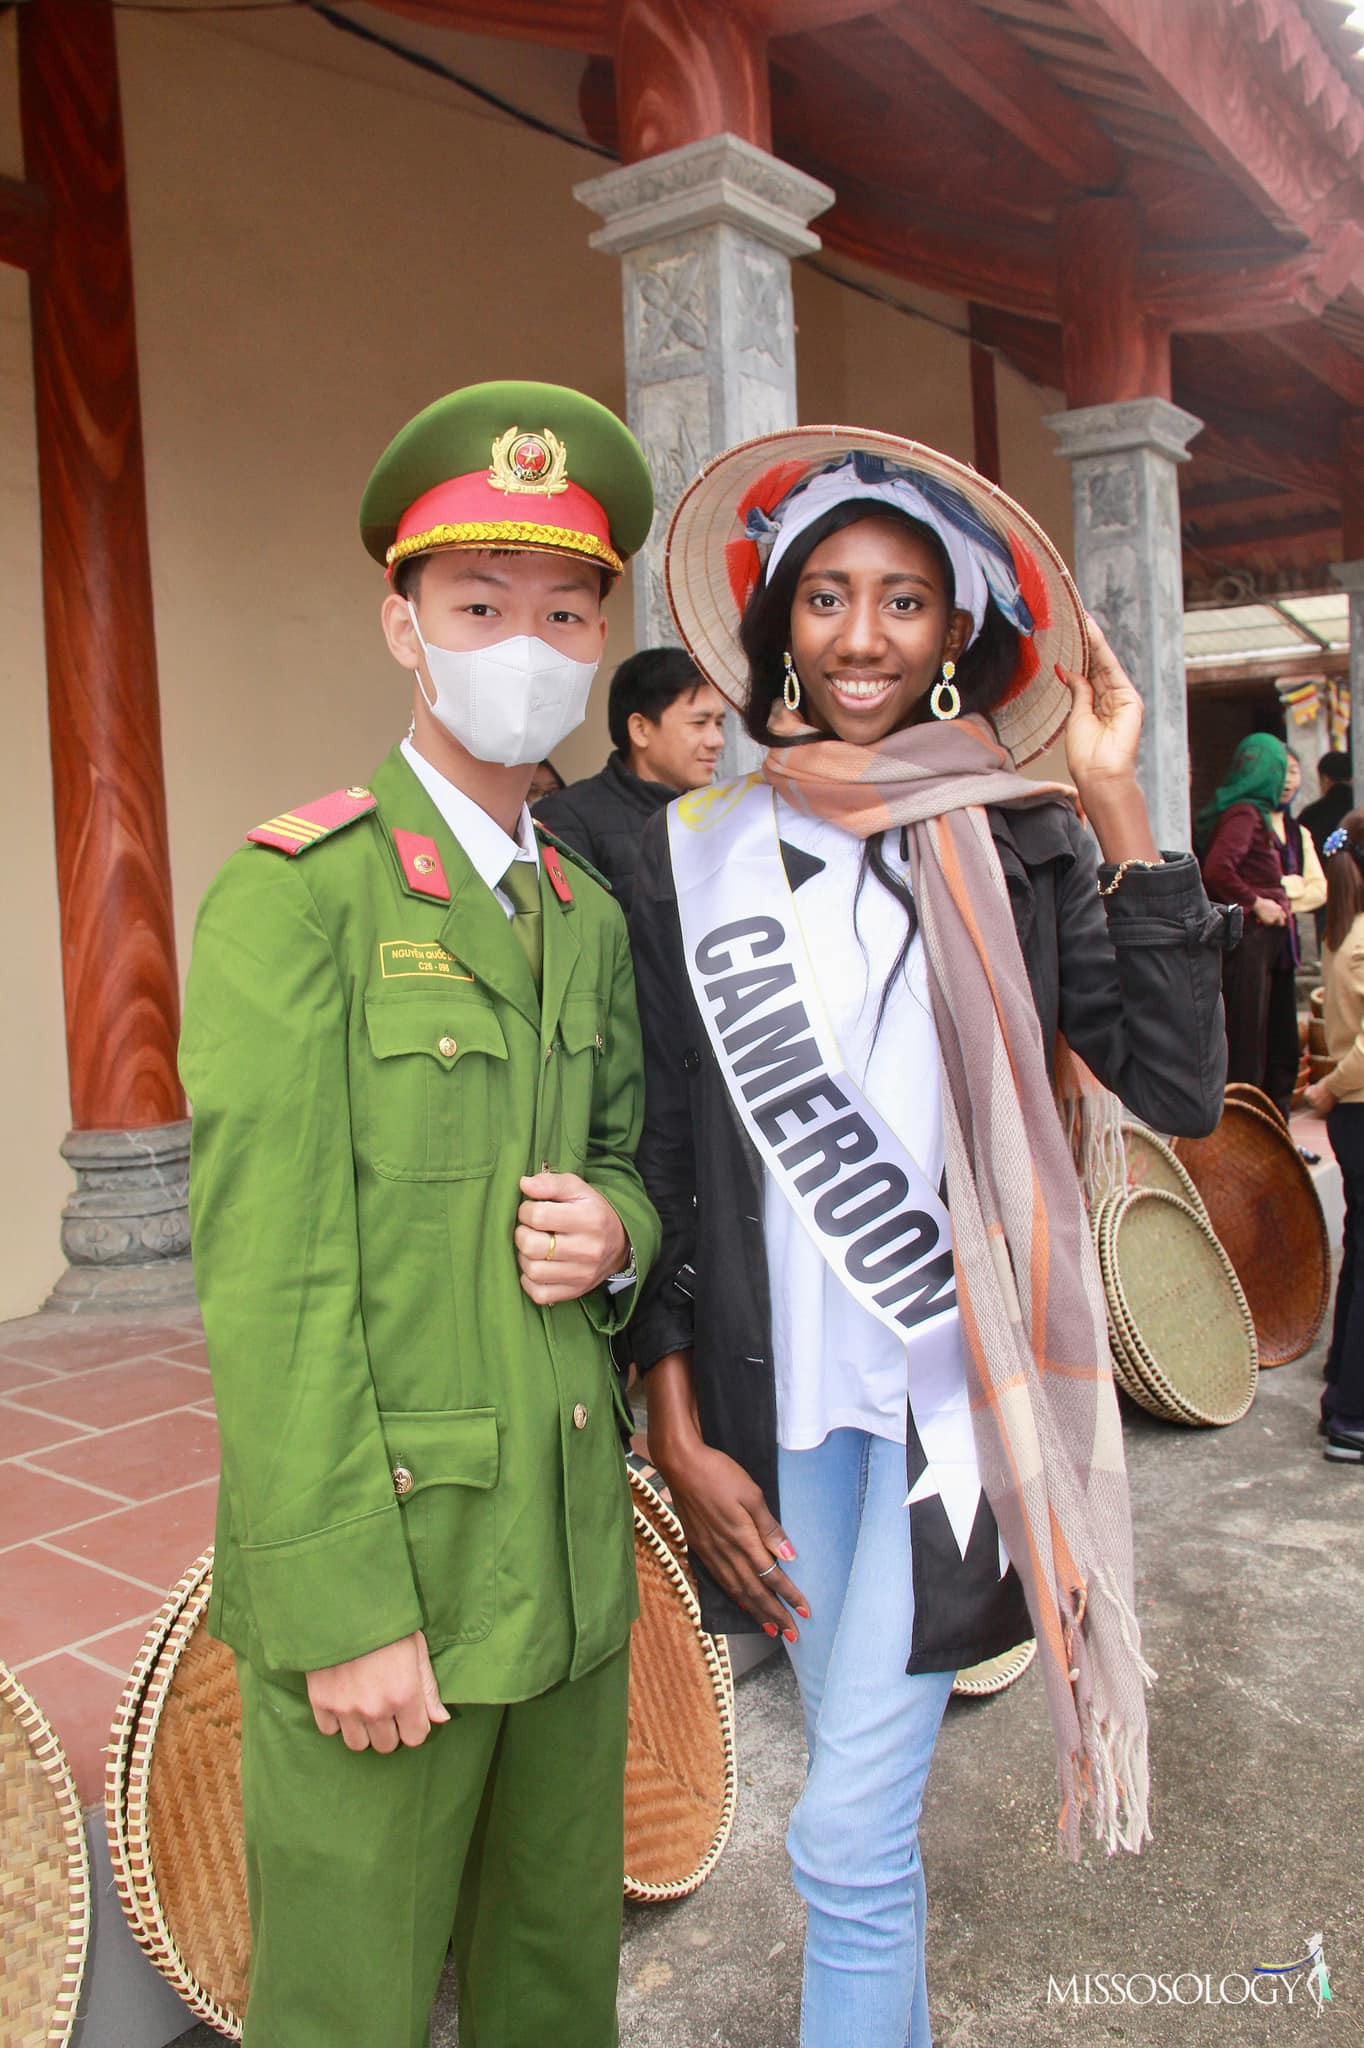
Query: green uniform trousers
point(505, 1830)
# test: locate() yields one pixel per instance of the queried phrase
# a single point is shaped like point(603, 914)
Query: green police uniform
point(408, 1441)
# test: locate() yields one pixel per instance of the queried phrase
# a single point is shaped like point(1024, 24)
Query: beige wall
point(323, 241)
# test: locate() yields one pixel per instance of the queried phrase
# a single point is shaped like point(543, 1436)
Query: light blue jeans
point(854, 1836)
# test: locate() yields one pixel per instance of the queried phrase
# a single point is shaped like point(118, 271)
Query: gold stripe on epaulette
point(297, 828)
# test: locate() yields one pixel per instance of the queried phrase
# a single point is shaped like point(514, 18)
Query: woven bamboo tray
point(1124, 1374)
point(1254, 1098)
point(173, 1784)
point(1181, 1318)
point(680, 1781)
point(980, 1680)
point(44, 1878)
point(1152, 1164)
point(1265, 1213)
point(120, 1749)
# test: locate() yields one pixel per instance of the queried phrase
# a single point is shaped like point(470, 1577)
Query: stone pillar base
point(125, 1230)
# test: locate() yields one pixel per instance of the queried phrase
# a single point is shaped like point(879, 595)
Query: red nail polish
point(1060, 672)
point(804, 1613)
point(769, 1628)
point(787, 1551)
point(790, 1635)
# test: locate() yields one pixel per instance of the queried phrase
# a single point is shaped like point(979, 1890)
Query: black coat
point(1134, 982)
point(604, 818)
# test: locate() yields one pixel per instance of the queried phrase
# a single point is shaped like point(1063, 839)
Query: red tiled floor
point(47, 1601)
point(114, 1394)
point(22, 1431)
point(120, 1646)
point(79, 1701)
point(13, 1376)
point(193, 1353)
point(34, 1504)
point(155, 1540)
point(70, 1344)
point(144, 1458)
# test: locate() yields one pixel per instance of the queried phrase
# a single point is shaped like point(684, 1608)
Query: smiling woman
point(874, 1343)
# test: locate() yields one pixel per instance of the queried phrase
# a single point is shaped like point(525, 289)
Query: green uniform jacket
point(371, 1072)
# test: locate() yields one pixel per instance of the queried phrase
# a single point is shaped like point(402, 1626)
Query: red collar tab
point(422, 870)
point(558, 880)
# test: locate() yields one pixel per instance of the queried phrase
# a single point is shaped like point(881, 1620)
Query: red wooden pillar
point(129, 1140)
point(1111, 348)
point(686, 69)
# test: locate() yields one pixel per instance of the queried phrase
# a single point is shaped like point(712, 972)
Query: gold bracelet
point(1148, 864)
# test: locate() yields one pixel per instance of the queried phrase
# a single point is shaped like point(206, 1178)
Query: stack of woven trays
point(1261, 1202)
point(173, 1784)
point(44, 1878)
point(1181, 1335)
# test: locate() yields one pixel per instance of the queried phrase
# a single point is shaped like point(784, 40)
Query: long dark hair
point(1345, 882)
point(983, 674)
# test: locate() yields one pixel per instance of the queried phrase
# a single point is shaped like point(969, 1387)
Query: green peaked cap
point(495, 445)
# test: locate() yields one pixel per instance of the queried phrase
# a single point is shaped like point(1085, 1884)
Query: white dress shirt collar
point(491, 851)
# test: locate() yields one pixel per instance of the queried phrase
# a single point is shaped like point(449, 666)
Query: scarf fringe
point(1108, 1779)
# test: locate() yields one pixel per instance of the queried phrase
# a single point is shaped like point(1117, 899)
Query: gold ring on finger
point(553, 1247)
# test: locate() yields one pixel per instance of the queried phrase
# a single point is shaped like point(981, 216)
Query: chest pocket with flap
point(430, 1086)
point(580, 1045)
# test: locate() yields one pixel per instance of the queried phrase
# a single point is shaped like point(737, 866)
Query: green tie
point(522, 883)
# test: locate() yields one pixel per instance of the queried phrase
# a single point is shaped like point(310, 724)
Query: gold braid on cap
point(508, 533)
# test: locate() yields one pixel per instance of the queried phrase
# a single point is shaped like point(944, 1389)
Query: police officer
point(412, 1051)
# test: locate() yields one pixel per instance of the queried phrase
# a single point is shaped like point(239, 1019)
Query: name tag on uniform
point(419, 959)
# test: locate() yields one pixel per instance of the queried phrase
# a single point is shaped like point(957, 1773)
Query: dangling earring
point(790, 689)
point(946, 699)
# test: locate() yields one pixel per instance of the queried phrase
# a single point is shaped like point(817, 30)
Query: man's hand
point(568, 1238)
point(1268, 911)
point(1319, 1098)
point(376, 1701)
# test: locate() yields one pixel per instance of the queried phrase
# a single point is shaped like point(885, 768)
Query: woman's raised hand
point(1104, 726)
point(1102, 735)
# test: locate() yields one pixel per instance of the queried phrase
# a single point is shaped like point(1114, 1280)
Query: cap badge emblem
point(536, 463)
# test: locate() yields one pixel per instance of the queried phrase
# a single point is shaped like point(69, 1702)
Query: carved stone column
point(1128, 564)
point(1350, 576)
point(706, 234)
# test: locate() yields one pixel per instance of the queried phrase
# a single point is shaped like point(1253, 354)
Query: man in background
point(667, 729)
point(1337, 797)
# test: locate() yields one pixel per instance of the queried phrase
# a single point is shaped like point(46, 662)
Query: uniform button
point(357, 789)
point(580, 1417)
point(448, 1047)
point(402, 1481)
point(691, 1061)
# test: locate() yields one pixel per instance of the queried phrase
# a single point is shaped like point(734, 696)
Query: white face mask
point(511, 703)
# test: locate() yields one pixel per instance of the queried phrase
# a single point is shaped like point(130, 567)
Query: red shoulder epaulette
point(294, 831)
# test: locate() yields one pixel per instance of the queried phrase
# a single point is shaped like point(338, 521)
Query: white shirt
point(837, 1366)
point(491, 850)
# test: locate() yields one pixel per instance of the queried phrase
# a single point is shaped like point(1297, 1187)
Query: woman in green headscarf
point(1242, 864)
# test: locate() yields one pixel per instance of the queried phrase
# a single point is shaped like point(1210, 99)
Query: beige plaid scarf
point(1048, 1435)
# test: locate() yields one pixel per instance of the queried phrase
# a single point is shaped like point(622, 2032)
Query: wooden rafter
point(1222, 292)
point(982, 61)
point(1199, 62)
point(1308, 344)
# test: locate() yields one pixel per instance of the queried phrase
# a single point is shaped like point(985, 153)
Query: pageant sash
point(861, 1197)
